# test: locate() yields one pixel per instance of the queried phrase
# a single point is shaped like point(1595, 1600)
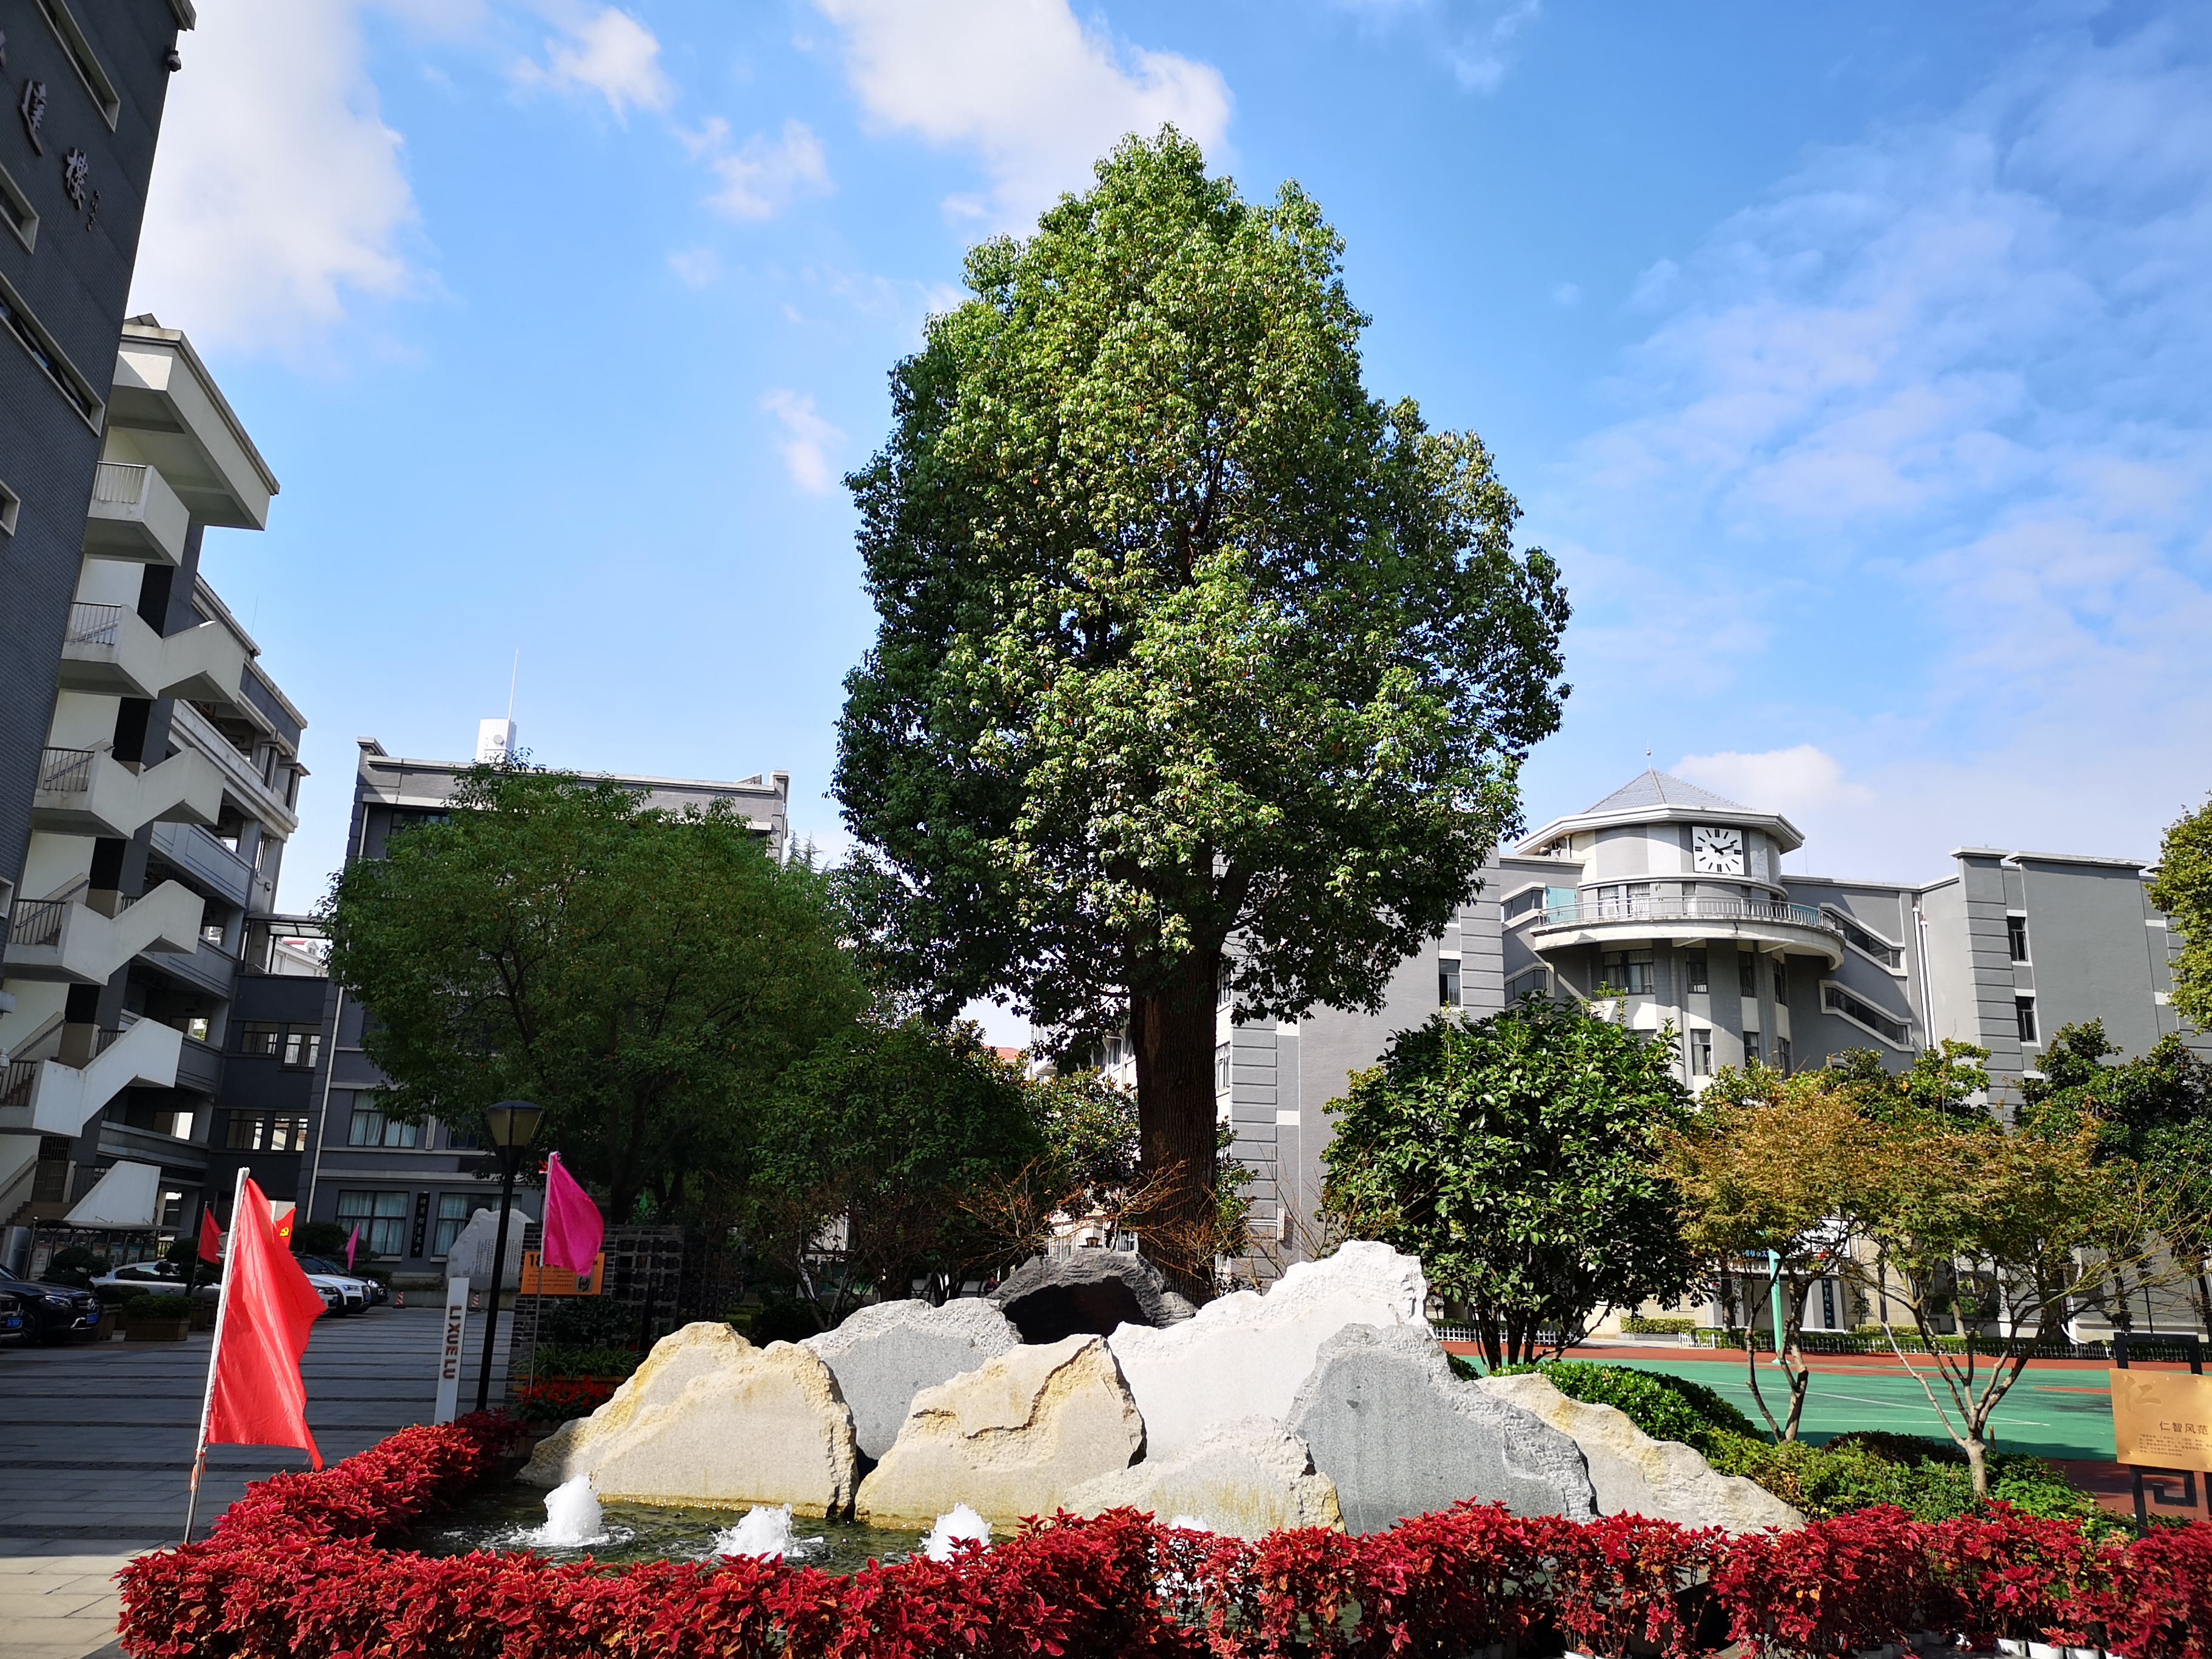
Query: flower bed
point(556, 1399)
point(297, 1570)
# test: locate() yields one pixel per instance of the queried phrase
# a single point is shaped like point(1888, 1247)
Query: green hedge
point(1671, 1325)
point(150, 1308)
point(1926, 1479)
point(553, 1360)
point(1665, 1408)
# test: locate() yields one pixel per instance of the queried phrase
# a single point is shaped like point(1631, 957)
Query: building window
point(255, 1132)
point(1693, 972)
point(1747, 973)
point(1221, 1068)
point(382, 1218)
point(1533, 983)
point(1781, 982)
point(1701, 1053)
point(1865, 943)
point(1448, 982)
point(1528, 899)
point(2024, 1010)
point(260, 1037)
point(1782, 1054)
point(1888, 1027)
point(2016, 936)
point(303, 1044)
point(1751, 1048)
point(375, 1129)
point(453, 1216)
point(461, 1141)
point(1631, 971)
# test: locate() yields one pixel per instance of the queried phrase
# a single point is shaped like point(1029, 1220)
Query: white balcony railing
point(1670, 910)
point(119, 483)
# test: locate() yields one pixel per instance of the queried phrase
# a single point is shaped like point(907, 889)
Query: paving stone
point(885, 1355)
point(1245, 1354)
point(1092, 1292)
point(1009, 1439)
point(1400, 1436)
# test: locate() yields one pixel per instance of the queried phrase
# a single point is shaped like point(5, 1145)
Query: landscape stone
point(1247, 1353)
point(720, 1425)
point(1633, 1473)
point(1400, 1436)
point(1092, 1292)
point(1247, 1478)
point(885, 1355)
point(469, 1255)
point(1011, 1438)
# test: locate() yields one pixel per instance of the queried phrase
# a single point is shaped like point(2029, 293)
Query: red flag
point(258, 1399)
point(211, 1237)
point(573, 1227)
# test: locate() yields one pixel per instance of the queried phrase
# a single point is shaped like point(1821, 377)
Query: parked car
point(143, 1279)
point(52, 1313)
point(11, 1319)
point(374, 1292)
point(340, 1295)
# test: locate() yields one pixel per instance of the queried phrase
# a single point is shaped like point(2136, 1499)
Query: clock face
point(1716, 850)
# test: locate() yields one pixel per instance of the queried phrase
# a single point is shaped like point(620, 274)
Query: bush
point(556, 1399)
point(152, 1308)
point(1927, 1480)
point(1665, 1408)
point(615, 1362)
point(586, 1322)
point(1670, 1325)
point(297, 1568)
point(75, 1266)
point(789, 1320)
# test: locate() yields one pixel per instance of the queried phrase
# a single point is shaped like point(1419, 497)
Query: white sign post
point(449, 1356)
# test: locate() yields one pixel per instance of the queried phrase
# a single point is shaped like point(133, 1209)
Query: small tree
point(1518, 1156)
point(1986, 1227)
point(644, 976)
point(1767, 1169)
point(2184, 890)
point(1946, 1082)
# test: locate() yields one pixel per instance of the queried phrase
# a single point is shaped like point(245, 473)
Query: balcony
point(202, 858)
point(67, 939)
point(110, 649)
point(88, 791)
point(210, 970)
point(134, 516)
point(44, 1097)
point(1756, 923)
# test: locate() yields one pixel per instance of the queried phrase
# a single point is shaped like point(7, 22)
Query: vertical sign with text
point(449, 1350)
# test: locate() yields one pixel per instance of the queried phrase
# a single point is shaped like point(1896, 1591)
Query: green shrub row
point(157, 1307)
point(554, 1361)
point(1668, 1325)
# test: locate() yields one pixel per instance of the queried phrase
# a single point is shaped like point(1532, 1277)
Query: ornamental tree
point(2184, 890)
point(1519, 1157)
point(645, 976)
point(1188, 648)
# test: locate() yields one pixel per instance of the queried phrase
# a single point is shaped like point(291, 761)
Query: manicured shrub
point(556, 1399)
point(1665, 1408)
point(152, 1308)
point(551, 1361)
point(1666, 1325)
point(1926, 1479)
point(785, 1320)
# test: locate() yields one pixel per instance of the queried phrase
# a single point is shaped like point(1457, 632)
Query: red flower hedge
point(296, 1570)
point(558, 1399)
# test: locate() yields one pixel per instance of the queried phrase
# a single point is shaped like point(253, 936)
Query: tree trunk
point(1173, 1032)
point(1978, 1463)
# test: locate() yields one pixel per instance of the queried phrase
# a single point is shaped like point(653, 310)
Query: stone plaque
point(2162, 1420)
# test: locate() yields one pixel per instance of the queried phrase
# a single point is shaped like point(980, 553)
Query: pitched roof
point(1655, 788)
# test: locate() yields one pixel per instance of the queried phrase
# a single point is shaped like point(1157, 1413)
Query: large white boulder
point(1245, 1355)
point(1248, 1478)
point(470, 1256)
point(1635, 1474)
point(1011, 1438)
point(709, 1421)
point(886, 1354)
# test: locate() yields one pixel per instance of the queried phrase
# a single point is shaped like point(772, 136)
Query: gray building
point(164, 792)
point(1673, 902)
point(298, 1104)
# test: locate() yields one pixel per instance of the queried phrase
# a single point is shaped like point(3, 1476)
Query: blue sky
point(1855, 362)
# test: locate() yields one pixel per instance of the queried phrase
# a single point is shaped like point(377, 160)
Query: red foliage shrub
point(558, 1399)
point(296, 1570)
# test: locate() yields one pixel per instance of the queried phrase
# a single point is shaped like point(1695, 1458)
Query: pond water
point(506, 1516)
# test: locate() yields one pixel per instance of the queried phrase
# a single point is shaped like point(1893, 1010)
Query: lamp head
point(512, 1123)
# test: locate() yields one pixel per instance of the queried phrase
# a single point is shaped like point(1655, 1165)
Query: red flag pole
point(214, 1353)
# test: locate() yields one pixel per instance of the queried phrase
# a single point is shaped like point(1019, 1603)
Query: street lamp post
point(511, 1123)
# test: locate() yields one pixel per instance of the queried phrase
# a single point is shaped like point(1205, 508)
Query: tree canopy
point(2184, 890)
point(645, 976)
point(1518, 1156)
point(1188, 648)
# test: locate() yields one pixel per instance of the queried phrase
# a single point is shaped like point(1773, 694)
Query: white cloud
point(1790, 781)
point(764, 176)
point(807, 442)
point(1021, 83)
point(696, 267)
point(606, 52)
point(277, 189)
point(1481, 55)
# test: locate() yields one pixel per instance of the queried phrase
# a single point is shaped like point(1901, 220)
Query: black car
point(53, 1313)
point(11, 1319)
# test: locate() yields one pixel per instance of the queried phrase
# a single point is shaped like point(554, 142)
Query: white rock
point(1248, 1478)
point(470, 1256)
point(692, 1351)
point(1245, 1355)
point(885, 1355)
point(1009, 1439)
point(1636, 1475)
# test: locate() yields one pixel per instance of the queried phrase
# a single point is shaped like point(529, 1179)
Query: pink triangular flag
point(573, 1226)
point(353, 1238)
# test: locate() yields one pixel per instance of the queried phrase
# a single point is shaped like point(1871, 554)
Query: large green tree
point(1189, 647)
point(2184, 890)
point(645, 976)
point(1519, 1156)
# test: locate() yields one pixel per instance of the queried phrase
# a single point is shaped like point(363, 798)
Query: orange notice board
point(538, 1280)
point(2162, 1420)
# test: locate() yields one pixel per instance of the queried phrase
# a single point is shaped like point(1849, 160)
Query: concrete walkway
point(98, 1455)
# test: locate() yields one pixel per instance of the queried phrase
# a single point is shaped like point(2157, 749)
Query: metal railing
point(93, 625)
point(39, 922)
point(119, 483)
point(15, 1090)
point(1686, 909)
point(65, 771)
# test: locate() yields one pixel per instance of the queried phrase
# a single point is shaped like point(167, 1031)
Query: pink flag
point(573, 1227)
point(352, 1239)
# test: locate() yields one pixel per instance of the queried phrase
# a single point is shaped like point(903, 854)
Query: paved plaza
point(98, 1456)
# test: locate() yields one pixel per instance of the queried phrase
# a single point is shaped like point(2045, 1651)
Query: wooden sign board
point(2162, 1420)
point(540, 1280)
